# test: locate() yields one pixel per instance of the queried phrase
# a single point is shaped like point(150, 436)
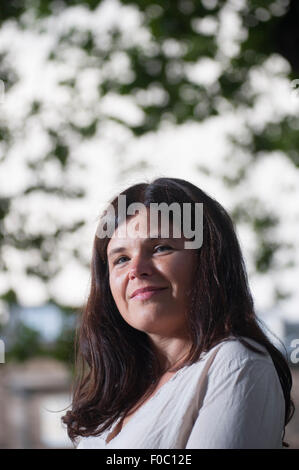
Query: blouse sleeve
point(243, 407)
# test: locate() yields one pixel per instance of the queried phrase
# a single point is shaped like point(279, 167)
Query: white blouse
point(231, 398)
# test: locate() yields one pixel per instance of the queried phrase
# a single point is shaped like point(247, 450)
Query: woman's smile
point(148, 294)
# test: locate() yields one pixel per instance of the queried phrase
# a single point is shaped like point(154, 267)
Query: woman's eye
point(117, 261)
point(163, 246)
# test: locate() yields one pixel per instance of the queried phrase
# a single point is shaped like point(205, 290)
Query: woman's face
point(151, 262)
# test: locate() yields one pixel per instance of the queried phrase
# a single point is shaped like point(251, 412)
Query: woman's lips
point(148, 294)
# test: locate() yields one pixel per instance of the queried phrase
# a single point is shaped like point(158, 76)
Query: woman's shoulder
point(236, 351)
point(236, 369)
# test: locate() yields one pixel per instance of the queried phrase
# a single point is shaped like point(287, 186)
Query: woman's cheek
point(121, 287)
point(175, 263)
point(114, 286)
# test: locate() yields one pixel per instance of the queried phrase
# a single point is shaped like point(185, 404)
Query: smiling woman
point(170, 352)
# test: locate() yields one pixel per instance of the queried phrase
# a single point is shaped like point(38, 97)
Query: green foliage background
point(269, 28)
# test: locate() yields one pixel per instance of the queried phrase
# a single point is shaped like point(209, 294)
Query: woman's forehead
point(144, 226)
point(138, 230)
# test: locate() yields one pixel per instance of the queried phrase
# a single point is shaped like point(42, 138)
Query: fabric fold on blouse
point(231, 398)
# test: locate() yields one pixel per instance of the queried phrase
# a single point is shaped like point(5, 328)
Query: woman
point(170, 352)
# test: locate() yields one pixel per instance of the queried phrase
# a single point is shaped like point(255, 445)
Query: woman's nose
point(140, 267)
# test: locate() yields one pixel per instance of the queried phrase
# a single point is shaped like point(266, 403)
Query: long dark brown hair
point(115, 363)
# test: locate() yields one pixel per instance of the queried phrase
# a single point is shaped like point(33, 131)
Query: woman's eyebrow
point(146, 240)
point(116, 250)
